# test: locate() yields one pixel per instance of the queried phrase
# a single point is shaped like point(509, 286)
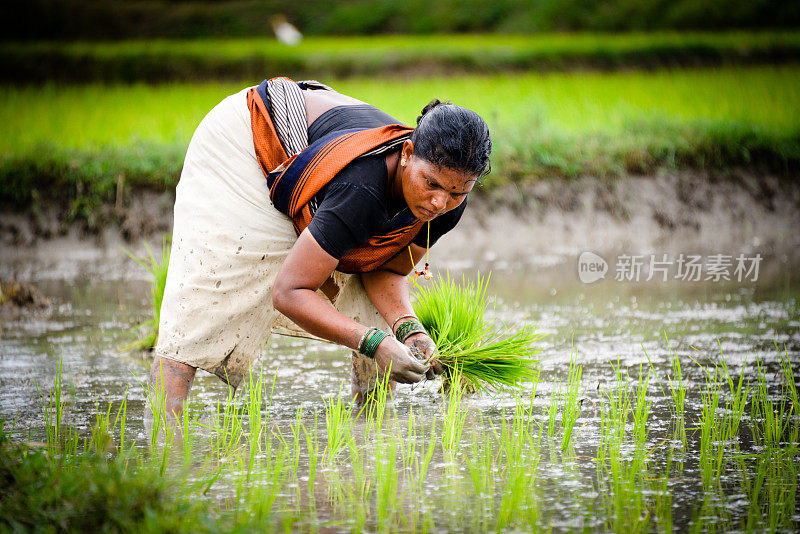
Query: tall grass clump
point(158, 270)
point(469, 346)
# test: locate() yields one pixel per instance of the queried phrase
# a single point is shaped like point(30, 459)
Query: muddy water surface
point(601, 325)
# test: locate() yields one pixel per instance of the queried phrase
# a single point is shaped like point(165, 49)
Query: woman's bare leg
point(174, 380)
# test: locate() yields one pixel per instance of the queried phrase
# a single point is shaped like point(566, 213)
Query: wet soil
point(676, 212)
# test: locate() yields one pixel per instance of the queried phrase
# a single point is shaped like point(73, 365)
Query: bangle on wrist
point(370, 341)
point(367, 332)
point(407, 329)
point(404, 316)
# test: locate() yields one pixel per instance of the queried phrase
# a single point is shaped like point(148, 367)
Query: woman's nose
point(439, 202)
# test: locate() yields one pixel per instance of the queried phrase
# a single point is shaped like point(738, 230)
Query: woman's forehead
point(450, 179)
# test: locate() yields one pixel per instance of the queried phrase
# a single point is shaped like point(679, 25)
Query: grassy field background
point(234, 59)
point(532, 104)
point(75, 142)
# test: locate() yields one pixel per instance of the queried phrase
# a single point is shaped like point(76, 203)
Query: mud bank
point(541, 224)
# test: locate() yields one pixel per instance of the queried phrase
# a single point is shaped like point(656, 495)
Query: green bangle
point(364, 337)
point(407, 329)
point(373, 339)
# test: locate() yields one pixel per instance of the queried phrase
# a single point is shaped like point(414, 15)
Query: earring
point(403, 162)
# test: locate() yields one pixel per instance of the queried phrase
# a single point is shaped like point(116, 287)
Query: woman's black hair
point(452, 137)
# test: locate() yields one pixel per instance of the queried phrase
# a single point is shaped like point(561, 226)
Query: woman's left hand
point(424, 343)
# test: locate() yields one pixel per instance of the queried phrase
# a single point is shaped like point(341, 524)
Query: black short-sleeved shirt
point(355, 206)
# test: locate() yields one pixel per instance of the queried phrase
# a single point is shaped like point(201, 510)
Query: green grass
point(90, 146)
point(160, 60)
point(564, 105)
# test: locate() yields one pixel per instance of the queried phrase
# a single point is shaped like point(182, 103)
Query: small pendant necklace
point(425, 273)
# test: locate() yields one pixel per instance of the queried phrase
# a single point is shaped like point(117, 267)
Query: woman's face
point(430, 191)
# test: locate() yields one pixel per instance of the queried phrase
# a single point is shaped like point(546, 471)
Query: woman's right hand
point(405, 367)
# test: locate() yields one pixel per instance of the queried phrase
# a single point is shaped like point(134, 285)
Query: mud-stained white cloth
point(227, 247)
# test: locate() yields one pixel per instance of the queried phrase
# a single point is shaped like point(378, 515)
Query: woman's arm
point(387, 288)
point(306, 268)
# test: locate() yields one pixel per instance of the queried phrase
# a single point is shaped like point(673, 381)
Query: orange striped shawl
point(294, 181)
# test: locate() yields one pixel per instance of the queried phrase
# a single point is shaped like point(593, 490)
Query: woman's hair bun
point(431, 105)
point(453, 137)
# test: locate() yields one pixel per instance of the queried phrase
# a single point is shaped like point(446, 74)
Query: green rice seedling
point(255, 400)
point(59, 436)
point(101, 440)
point(618, 406)
point(53, 409)
point(662, 509)
point(519, 451)
point(790, 392)
point(188, 424)
point(738, 393)
point(420, 468)
point(359, 491)
point(791, 381)
point(515, 486)
point(620, 475)
point(486, 359)
point(677, 388)
point(312, 446)
point(711, 448)
point(158, 270)
point(266, 482)
point(296, 428)
point(771, 418)
point(619, 478)
point(255, 430)
point(120, 421)
point(677, 392)
point(420, 473)
point(571, 408)
point(386, 483)
point(552, 409)
point(455, 414)
point(409, 449)
point(339, 424)
point(641, 410)
point(481, 466)
point(771, 489)
point(524, 432)
point(375, 404)
point(162, 431)
point(227, 428)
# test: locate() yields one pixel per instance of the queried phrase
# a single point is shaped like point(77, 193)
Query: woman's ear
point(407, 151)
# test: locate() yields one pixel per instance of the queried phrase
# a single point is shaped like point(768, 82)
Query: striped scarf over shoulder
point(296, 172)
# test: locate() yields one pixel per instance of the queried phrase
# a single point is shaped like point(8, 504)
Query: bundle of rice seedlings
point(485, 355)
